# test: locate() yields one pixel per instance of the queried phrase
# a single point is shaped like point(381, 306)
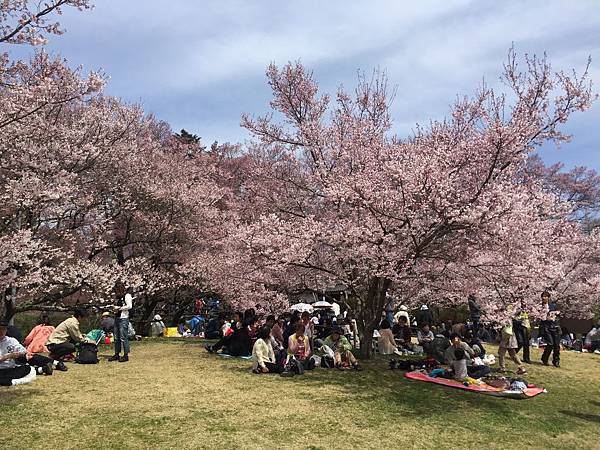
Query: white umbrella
point(322, 304)
point(301, 307)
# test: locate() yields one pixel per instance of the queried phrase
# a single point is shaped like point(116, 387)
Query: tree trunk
point(8, 305)
point(147, 315)
point(369, 313)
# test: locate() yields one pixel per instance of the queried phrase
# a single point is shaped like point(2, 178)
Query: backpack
point(327, 362)
point(295, 366)
point(87, 354)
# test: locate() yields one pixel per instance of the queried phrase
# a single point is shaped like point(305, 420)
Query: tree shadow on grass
point(386, 388)
point(14, 396)
point(589, 417)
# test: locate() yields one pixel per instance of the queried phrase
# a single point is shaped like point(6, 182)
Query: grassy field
point(172, 394)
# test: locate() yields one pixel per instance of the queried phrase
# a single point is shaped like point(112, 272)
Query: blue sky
point(200, 64)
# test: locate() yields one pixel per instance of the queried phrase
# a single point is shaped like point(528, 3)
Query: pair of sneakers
point(123, 358)
point(48, 369)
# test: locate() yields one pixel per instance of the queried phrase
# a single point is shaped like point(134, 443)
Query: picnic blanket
point(225, 355)
point(531, 391)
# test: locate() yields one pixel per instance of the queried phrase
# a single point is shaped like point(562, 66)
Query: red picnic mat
point(531, 391)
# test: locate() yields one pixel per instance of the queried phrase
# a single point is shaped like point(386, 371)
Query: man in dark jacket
point(550, 331)
point(474, 314)
point(424, 316)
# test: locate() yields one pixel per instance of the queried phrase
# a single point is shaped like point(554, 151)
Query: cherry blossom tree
point(26, 22)
point(336, 198)
point(93, 190)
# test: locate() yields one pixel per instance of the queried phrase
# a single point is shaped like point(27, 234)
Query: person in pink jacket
point(299, 347)
point(35, 342)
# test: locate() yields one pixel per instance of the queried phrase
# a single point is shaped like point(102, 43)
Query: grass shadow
point(583, 416)
point(11, 397)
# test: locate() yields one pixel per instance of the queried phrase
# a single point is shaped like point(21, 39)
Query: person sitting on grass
point(290, 328)
point(213, 328)
point(227, 338)
point(35, 342)
point(385, 342)
point(157, 327)
point(277, 329)
point(309, 326)
point(16, 364)
point(196, 324)
point(107, 323)
point(591, 342)
point(425, 337)
point(475, 343)
point(342, 350)
point(456, 342)
point(271, 323)
point(299, 347)
point(237, 343)
point(402, 334)
point(253, 328)
point(461, 370)
point(65, 335)
point(263, 356)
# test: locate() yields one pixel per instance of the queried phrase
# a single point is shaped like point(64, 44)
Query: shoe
point(521, 371)
point(357, 367)
point(545, 363)
point(597, 352)
point(256, 371)
point(47, 369)
point(287, 373)
point(113, 358)
point(124, 358)
point(61, 366)
point(338, 366)
point(556, 364)
point(209, 348)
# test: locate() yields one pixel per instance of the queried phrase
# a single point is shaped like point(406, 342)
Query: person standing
point(121, 331)
point(474, 314)
point(522, 330)
point(389, 309)
point(550, 331)
point(508, 343)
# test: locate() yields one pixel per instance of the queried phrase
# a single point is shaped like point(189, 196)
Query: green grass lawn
point(172, 394)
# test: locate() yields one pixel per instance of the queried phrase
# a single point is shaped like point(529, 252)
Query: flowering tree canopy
point(26, 22)
point(336, 198)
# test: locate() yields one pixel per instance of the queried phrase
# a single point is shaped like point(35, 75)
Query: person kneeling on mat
point(263, 356)
point(16, 367)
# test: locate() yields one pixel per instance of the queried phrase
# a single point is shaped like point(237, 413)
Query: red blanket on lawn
point(531, 391)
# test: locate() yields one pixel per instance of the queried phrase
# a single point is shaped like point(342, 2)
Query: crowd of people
point(21, 360)
point(288, 345)
point(295, 342)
